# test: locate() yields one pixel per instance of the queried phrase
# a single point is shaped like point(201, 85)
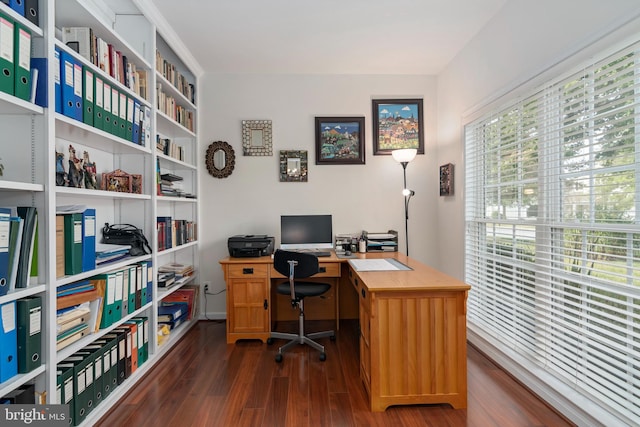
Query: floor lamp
point(404, 156)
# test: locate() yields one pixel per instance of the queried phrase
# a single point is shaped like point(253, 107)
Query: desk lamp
point(404, 156)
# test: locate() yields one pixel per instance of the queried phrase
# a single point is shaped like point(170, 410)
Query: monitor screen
point(306, 232)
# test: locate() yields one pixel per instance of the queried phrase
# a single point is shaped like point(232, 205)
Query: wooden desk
point(412, 327)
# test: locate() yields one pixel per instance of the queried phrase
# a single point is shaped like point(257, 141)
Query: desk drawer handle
point(363, 293)
point(322, 270)
point(357, 284)
point(247, 271)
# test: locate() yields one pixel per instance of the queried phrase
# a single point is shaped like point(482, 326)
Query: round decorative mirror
point(220, 159)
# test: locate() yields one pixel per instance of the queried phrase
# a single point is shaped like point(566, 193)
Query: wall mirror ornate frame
point(257, 138)
point(293, 165)
point(220, 159)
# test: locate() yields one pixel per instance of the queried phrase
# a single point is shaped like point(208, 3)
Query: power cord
point(205, 302)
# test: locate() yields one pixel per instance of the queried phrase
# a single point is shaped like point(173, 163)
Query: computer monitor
point(306, 232)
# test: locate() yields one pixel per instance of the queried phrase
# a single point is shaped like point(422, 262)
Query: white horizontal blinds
point(553, 229)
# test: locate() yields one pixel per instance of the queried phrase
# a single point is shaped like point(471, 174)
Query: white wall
point(368, 197)
point(523, 40)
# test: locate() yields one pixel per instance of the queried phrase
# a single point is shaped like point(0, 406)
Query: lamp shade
point(404, 155)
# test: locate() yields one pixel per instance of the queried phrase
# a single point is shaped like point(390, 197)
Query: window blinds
point(552, 222)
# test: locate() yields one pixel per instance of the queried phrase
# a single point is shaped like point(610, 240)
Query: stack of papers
point(385, 264)
point(108, 253)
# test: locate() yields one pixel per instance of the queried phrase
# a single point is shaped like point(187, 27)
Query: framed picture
point(293, 165)
point(397, 123)
point(118, 181)
point(446, 180)
point(340, 140)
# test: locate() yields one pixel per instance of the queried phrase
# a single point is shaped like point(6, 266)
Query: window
point(553, 229)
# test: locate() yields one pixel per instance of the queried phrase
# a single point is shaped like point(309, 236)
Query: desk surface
point(420, 277)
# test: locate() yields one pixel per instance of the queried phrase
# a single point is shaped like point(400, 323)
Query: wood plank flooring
point(205, 382)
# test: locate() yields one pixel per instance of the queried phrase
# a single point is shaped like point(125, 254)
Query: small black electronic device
point(250, 245)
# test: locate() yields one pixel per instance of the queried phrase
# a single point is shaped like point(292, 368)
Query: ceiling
point(328, 36)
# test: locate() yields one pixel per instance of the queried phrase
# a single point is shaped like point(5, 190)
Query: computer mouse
point(347, 253)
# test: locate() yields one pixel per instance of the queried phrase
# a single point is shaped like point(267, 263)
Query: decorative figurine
point(61, 175)
point(90, 180)
point(76, 171)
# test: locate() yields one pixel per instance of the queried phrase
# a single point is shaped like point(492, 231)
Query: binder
point(70, 336)
point(57, 75)
point(122, 130)
point(64, 372)
point(149, 280)
point(133, 284)
point(122, 355)
point(82, 390)
point(171, 312)
point(113, 344)
point(106, 104)
point(22, 61)
point(7, 44)
point(138, 286)
point(32, 12)
point(132, 351)
point(89, 239)
point(5, 229)
point(8, 341)
point(28, 245)
point(29, 315)
point(130, 111)
point(135, 132)
point(127, 332)
point(87, 95)
point(103, 351)
point(99, 377)
point(115, 111)
point(23, 395)
point(18, 6)
point(107, 283)
point(59, 245)
point(39, 81)
point(15, 241)
point(73, 243)
point(117, 309)
point(93, 377)
point(144, 275)
point(125, 293)
point(77, 90)
point(98, 107)
point(67, 82)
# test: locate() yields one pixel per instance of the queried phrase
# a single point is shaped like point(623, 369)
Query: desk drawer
point(248, 270)
point(328, 269)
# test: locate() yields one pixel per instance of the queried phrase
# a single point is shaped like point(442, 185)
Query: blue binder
point(66, 84)
point(17, 5)
point(56, 73)
point(135, 137)
point(40, 64)
point(8, 341)
point(89, 240)
point(5, 227)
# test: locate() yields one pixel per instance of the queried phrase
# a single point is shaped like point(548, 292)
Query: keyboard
point(316, 252)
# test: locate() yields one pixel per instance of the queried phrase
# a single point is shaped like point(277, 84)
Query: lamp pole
point(404, 156)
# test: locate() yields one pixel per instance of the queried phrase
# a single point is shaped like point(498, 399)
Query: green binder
point(98, 104)
point(115, 111)
point(22, 61)
point(6, 54)
point(88, 95)
point(29, 316)
point(72, 244)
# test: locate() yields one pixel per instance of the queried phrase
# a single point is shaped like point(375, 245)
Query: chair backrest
point(307, 263)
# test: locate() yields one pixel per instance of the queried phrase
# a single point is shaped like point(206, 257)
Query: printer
point(250, 245)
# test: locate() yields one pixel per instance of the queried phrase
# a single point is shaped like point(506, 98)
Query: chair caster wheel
point(278, 358)
point(323, 357)
point(269, 341)
point(332, 337)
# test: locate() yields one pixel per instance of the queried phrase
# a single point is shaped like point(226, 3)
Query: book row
point(170, 148)
point(178, 307)
point(169, 72)
point(86, 97)
point(169, 106)
point(106, 57)
point(88, 376)
point(174, 232)
point(20, 337)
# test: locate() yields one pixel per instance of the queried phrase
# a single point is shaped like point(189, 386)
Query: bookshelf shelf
point(171, 90)
point(20, 186)
point(169, 127)
point(9, 104)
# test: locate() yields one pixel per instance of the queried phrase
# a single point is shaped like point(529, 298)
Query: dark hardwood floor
point(205, 382)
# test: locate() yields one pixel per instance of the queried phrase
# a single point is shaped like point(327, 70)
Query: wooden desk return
point(412, 327)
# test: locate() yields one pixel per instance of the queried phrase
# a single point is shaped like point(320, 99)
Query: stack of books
point(181, 272)
point(106, 253)
point(171, 185)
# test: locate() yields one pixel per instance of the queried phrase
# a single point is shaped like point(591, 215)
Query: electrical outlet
point(206, 286)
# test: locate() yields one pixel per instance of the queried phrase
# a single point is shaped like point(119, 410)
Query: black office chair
point(297, 265)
